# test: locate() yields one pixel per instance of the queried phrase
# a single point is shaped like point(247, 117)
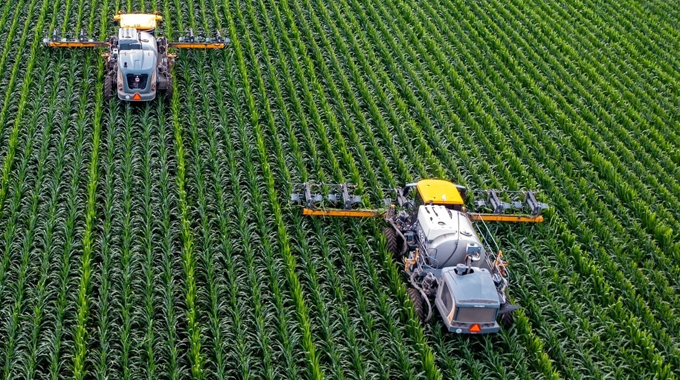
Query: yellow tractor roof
point(439, 192)
point(137, 20)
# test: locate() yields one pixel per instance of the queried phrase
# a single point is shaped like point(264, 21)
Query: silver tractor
point(448, 258)
point(138, 65)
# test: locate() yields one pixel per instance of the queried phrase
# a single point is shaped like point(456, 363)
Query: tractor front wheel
point(108, 87)
point(417, 299)
point(392, 240)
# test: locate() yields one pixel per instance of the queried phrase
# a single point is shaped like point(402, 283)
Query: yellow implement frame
point(76, 44)
point(506, 218)
point(197, 45)
point(345, 213)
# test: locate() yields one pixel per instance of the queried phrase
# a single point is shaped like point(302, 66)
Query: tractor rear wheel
point(392, 240)
point(168, 89)
point(417, 299)
point(507, 320)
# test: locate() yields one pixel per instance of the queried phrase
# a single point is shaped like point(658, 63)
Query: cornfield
point(157, 240)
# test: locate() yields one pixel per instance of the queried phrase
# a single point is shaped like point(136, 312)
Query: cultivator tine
point(343, 196)
point(219, 38)
point(534, 205)
point(189, 37)
point(494, 202)
point(306, 197)
point(497, 204)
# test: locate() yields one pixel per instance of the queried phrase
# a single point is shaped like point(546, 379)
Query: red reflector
point(136, 97)
point(475, 328)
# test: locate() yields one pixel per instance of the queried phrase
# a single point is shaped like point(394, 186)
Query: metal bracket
point(534, 205)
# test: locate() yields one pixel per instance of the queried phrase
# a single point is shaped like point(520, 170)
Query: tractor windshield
point(130, 46)
point(476, 314)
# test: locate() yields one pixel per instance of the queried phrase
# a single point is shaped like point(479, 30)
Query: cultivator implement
point(68, 41)
point(190, 41)
point(498, 207)
point(340, 201)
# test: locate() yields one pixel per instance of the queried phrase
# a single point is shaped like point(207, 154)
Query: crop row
point(157, 241)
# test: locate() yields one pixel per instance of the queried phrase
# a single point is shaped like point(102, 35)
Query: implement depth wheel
point(392, 240)
point(417, 299)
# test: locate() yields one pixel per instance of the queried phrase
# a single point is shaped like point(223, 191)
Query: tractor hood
point(446, 235)
point(136, 61)
point(476, 288)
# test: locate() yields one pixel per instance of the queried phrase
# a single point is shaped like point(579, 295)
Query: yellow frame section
point(139, 21)
point(67, 44)
point(439, 192)
point(197, 45)
point(506, 218)
point(337, 212)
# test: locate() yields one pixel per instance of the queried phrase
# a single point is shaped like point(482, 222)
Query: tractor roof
point(439, 192)
point(137, 21)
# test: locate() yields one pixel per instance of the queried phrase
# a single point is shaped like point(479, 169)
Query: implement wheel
point(417, 299)
point(392, 240)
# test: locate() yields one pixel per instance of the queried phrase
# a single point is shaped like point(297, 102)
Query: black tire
point(168, 89)
point(162, 45)
point(392, 240)
point(417, 299)
point(108, 88)
point(507, 320)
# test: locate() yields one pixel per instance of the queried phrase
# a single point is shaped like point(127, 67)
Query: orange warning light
point(475, 328)
point(136, 97)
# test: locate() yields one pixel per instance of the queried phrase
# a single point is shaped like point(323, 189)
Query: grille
point(476, 314)
point(137, 84)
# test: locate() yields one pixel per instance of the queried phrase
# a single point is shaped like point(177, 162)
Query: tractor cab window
point(130, 46)
point(446, 298)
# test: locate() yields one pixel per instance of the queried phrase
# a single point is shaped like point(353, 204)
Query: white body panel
point(446, 234)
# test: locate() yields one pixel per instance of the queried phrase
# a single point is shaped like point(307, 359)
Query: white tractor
point(448, 264)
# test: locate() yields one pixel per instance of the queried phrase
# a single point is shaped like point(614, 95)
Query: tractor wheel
point(417, 299)
point(392, 239)
point(507, 320)
point(168, 89)
point(108, 88)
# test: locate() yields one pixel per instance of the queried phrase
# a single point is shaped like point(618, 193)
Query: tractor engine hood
point(136, 61)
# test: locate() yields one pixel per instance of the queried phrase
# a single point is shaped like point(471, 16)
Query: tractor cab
point(467, 300)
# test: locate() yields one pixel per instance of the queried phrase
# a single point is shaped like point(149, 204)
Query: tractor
point(451, 260)
point(138, 64)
